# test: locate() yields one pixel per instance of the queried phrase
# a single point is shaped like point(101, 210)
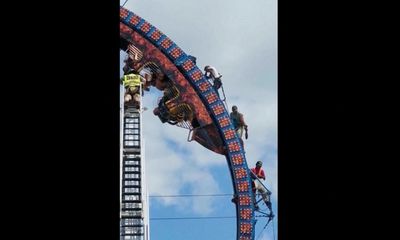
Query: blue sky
point(239, 38)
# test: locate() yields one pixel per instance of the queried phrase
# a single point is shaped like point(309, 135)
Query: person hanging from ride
point(257, 173)
point(131, 81)
point(212, 73)
point(239, 124)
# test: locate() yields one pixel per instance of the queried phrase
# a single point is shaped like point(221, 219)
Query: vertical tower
point(134, 212)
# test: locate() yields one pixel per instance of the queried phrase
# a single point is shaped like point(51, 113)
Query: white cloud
point(170, 170)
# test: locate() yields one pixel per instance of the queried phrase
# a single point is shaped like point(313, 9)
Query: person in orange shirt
point(257, 173)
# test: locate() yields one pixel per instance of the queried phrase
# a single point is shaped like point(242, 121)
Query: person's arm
point(252, 174)
point(262, 174)
point(242, 123)
point(241, 120)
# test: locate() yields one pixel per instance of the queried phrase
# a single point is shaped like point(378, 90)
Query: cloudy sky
point(239, 38)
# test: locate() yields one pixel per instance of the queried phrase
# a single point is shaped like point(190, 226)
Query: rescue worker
point(212, 73)
point(257, 173)
point(131, 82)
point(238, 123)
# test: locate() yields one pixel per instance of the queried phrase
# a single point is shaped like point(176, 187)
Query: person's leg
point(217, 85)
point(216, 90)
point(127, 97)
point(253, 188)
point(240, 132)
point(265, 195)
point(136, 98)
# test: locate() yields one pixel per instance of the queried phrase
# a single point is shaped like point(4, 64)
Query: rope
point(223, 92)
point(224, 100)
point(124, 3)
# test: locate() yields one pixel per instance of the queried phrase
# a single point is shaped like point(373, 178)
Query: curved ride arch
point(183, 72)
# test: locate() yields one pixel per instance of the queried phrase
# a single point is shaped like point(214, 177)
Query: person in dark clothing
point(239, 124)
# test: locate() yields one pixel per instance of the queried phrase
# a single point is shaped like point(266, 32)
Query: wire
point(124, 3)
point(183, 218)
point(259, 235)
point(226, 102)
point(194, 195)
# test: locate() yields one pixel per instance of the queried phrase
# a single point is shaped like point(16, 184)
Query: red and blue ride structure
point(203, 111)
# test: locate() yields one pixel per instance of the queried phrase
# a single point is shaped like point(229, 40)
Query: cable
point(259, 235)
point(194, 195)
point(124, 3)
point(226, 102)
point(183, 218)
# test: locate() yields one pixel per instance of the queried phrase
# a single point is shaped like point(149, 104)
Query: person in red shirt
point(257, 174)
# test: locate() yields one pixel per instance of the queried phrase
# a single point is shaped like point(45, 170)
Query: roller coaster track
point(136, 30)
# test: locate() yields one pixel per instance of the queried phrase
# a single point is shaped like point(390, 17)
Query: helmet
point(234, 108)
point(259, 164)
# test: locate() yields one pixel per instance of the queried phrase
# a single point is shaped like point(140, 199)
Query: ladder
point(132, 225)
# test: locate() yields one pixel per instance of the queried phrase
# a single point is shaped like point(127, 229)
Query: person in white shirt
point(212, 73)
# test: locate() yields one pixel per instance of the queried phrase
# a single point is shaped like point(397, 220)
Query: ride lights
point(244, 238)
point(217, 109)
point(196, 75)
point(237, 159)
point(244, 200)
point(211, 98)
point(245, 228)
point(243, 186)
point(176, 52)
point(229, 134)
point(204, 86)
point(123, 13)
point(223, 121)
point(134, 20)
point(156, 35)
point(188, 65)
point(166, 43)
point(240, 173)
point(234, 146)
point(245, 213)
point(145, 27)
